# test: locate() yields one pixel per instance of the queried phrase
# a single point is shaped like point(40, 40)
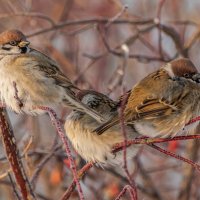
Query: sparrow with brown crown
point(34, 77)
point(79, 128)
point(162, 103)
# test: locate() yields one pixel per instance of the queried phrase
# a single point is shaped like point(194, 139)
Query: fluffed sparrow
point(93, 147)
point(30, 79)
point(162, 103)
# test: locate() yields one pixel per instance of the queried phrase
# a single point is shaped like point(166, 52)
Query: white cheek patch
point(28, 49)
point(168, 68)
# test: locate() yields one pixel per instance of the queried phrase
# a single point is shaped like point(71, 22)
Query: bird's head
point(13, 42)
point(182, 68)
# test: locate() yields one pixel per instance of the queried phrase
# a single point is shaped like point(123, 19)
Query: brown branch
point(146, 140)
point(141, 58)
point(30, 14)
point(160, 6)
point(150, 190)
point(168, 153)
point(176, 38)
point(12, 153)
point(125, 189)
point(119, 147)
point(192, 40)
point(81, 173)
point(117, 16)
point(91, 21)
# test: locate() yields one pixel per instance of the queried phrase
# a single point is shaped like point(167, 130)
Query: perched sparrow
point(30, 79)
point(93, 147)
point(162, 103)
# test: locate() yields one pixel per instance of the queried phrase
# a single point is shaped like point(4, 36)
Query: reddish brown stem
point(56, 123)
point(12, 152)
point(190, 162)
point(72, 186)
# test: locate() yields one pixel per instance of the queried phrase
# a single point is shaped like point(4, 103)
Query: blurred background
point(86, 37)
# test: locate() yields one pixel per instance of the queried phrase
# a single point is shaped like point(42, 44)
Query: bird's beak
point(196, 77)
point(23, 43)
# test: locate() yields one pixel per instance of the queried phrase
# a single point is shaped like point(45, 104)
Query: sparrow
point(30, 79)
point(162, 103)
point(92, 147)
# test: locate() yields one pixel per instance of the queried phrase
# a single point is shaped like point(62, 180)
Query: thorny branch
point(56, 123)
point(12, 155)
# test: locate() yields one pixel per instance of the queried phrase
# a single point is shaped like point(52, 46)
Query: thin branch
point(117, 16)
point(125, 189)
point(190, 162)
point(29, 14)
point(80, 175)
point(62, 135)
point(14, 187)
point(91, 21)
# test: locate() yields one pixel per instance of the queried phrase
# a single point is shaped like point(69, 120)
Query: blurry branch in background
point(158, 20)
point(24, 14)
point(178, 157)
point(117, 16)
point(91, 21)
point(148, 183)
point(130, 190)
point(81, 173)
point(14, 187)
point(42, 163)
point(107, 22)
point(188, 172)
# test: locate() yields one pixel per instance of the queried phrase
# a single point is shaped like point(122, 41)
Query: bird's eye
point(13, 43)
point(186, 75)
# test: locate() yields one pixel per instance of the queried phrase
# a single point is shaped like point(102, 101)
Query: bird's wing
point(150, 108)
point(48, 66)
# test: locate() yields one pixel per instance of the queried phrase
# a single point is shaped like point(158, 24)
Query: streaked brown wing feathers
point(151, 108)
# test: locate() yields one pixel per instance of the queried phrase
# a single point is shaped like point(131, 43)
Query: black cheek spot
point(24, 49)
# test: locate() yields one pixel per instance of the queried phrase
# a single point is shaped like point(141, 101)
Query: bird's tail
point(74, 102)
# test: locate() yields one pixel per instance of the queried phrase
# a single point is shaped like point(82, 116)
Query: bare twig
point(29, 14)
point(116, 17)
point(190, 162)
point(122, 193)
point(42, 163)
point(91, 21)
point(56, 123)
point(148, 183)
point(14, 187)
point(160, 6)
point(72, 186)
